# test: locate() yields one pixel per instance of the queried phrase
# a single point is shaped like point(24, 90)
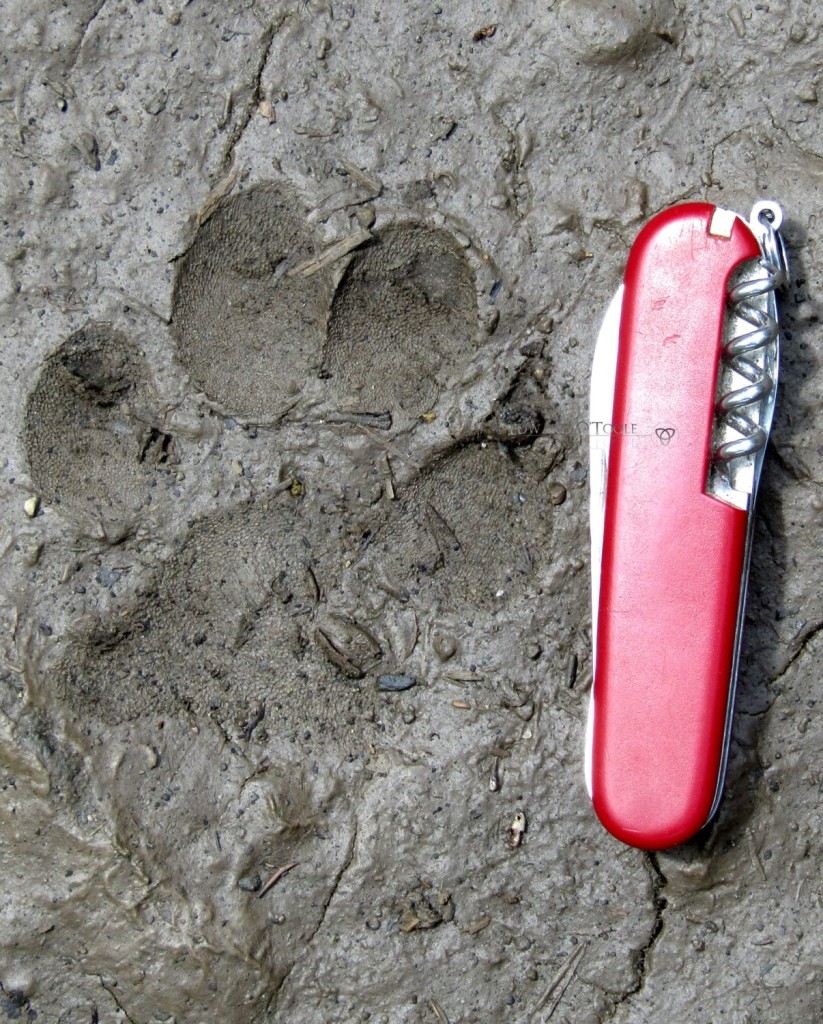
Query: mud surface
point(299, 305)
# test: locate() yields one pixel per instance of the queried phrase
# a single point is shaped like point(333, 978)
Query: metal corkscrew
point(687, 363)
point(748, 380)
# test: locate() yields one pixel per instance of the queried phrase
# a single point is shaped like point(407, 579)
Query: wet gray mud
point(299, 304)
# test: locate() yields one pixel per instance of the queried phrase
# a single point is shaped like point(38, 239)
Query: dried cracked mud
point(299, 304)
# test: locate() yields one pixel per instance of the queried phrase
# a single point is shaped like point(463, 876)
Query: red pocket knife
point(682, 397)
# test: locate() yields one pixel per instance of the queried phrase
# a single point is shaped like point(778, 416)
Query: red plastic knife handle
point(673, 555)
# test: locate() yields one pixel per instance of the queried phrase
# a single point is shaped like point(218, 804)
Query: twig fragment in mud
point(217, 195)
point(338, 656)
point(755, 856)
point(462, 705)
point(463, 675)
point(387, 477)
point(393, 589)
point(413, 637)
point(494, 776)
point(275, 878)
point(340, 201)
point(560, 982)
point(332, 254)
point(317, 593)
point(392, 449)
point(438, 1011)
point(477, 926)
point(374, 185)
point(571, 670)
point(377, 420)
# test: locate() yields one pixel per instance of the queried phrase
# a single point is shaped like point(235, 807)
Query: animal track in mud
point(222, 628)
point(472, 527)
point(404, 318)
point(264, 615)
point(90, 427)
point(248, 329)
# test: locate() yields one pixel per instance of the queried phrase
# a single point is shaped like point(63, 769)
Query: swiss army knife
point(682, 397)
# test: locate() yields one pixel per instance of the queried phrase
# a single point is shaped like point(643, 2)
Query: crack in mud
point(256, 94)
point(778, 126)
point(800, 473)
point(117, 1002)
point(75, 53)
point(335, 885)
point(641, 956)
point(742, 130)
point(275, 996)
point(801, 650)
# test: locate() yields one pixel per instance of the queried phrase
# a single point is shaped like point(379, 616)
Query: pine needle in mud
point(275, 878)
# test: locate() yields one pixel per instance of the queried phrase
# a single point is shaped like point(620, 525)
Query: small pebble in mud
point(525, 712)
point(32, 507)
point(517, 830)
point(266, 109)
point(366, 216)
point(557, 493)
point(445, 646)
point(394, 684)
point(250, 883)
point(578, 473)
point(156, 104)
point(797, 33)
point(107, 577)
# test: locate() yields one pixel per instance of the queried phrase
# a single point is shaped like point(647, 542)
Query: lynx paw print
point(415, 491)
